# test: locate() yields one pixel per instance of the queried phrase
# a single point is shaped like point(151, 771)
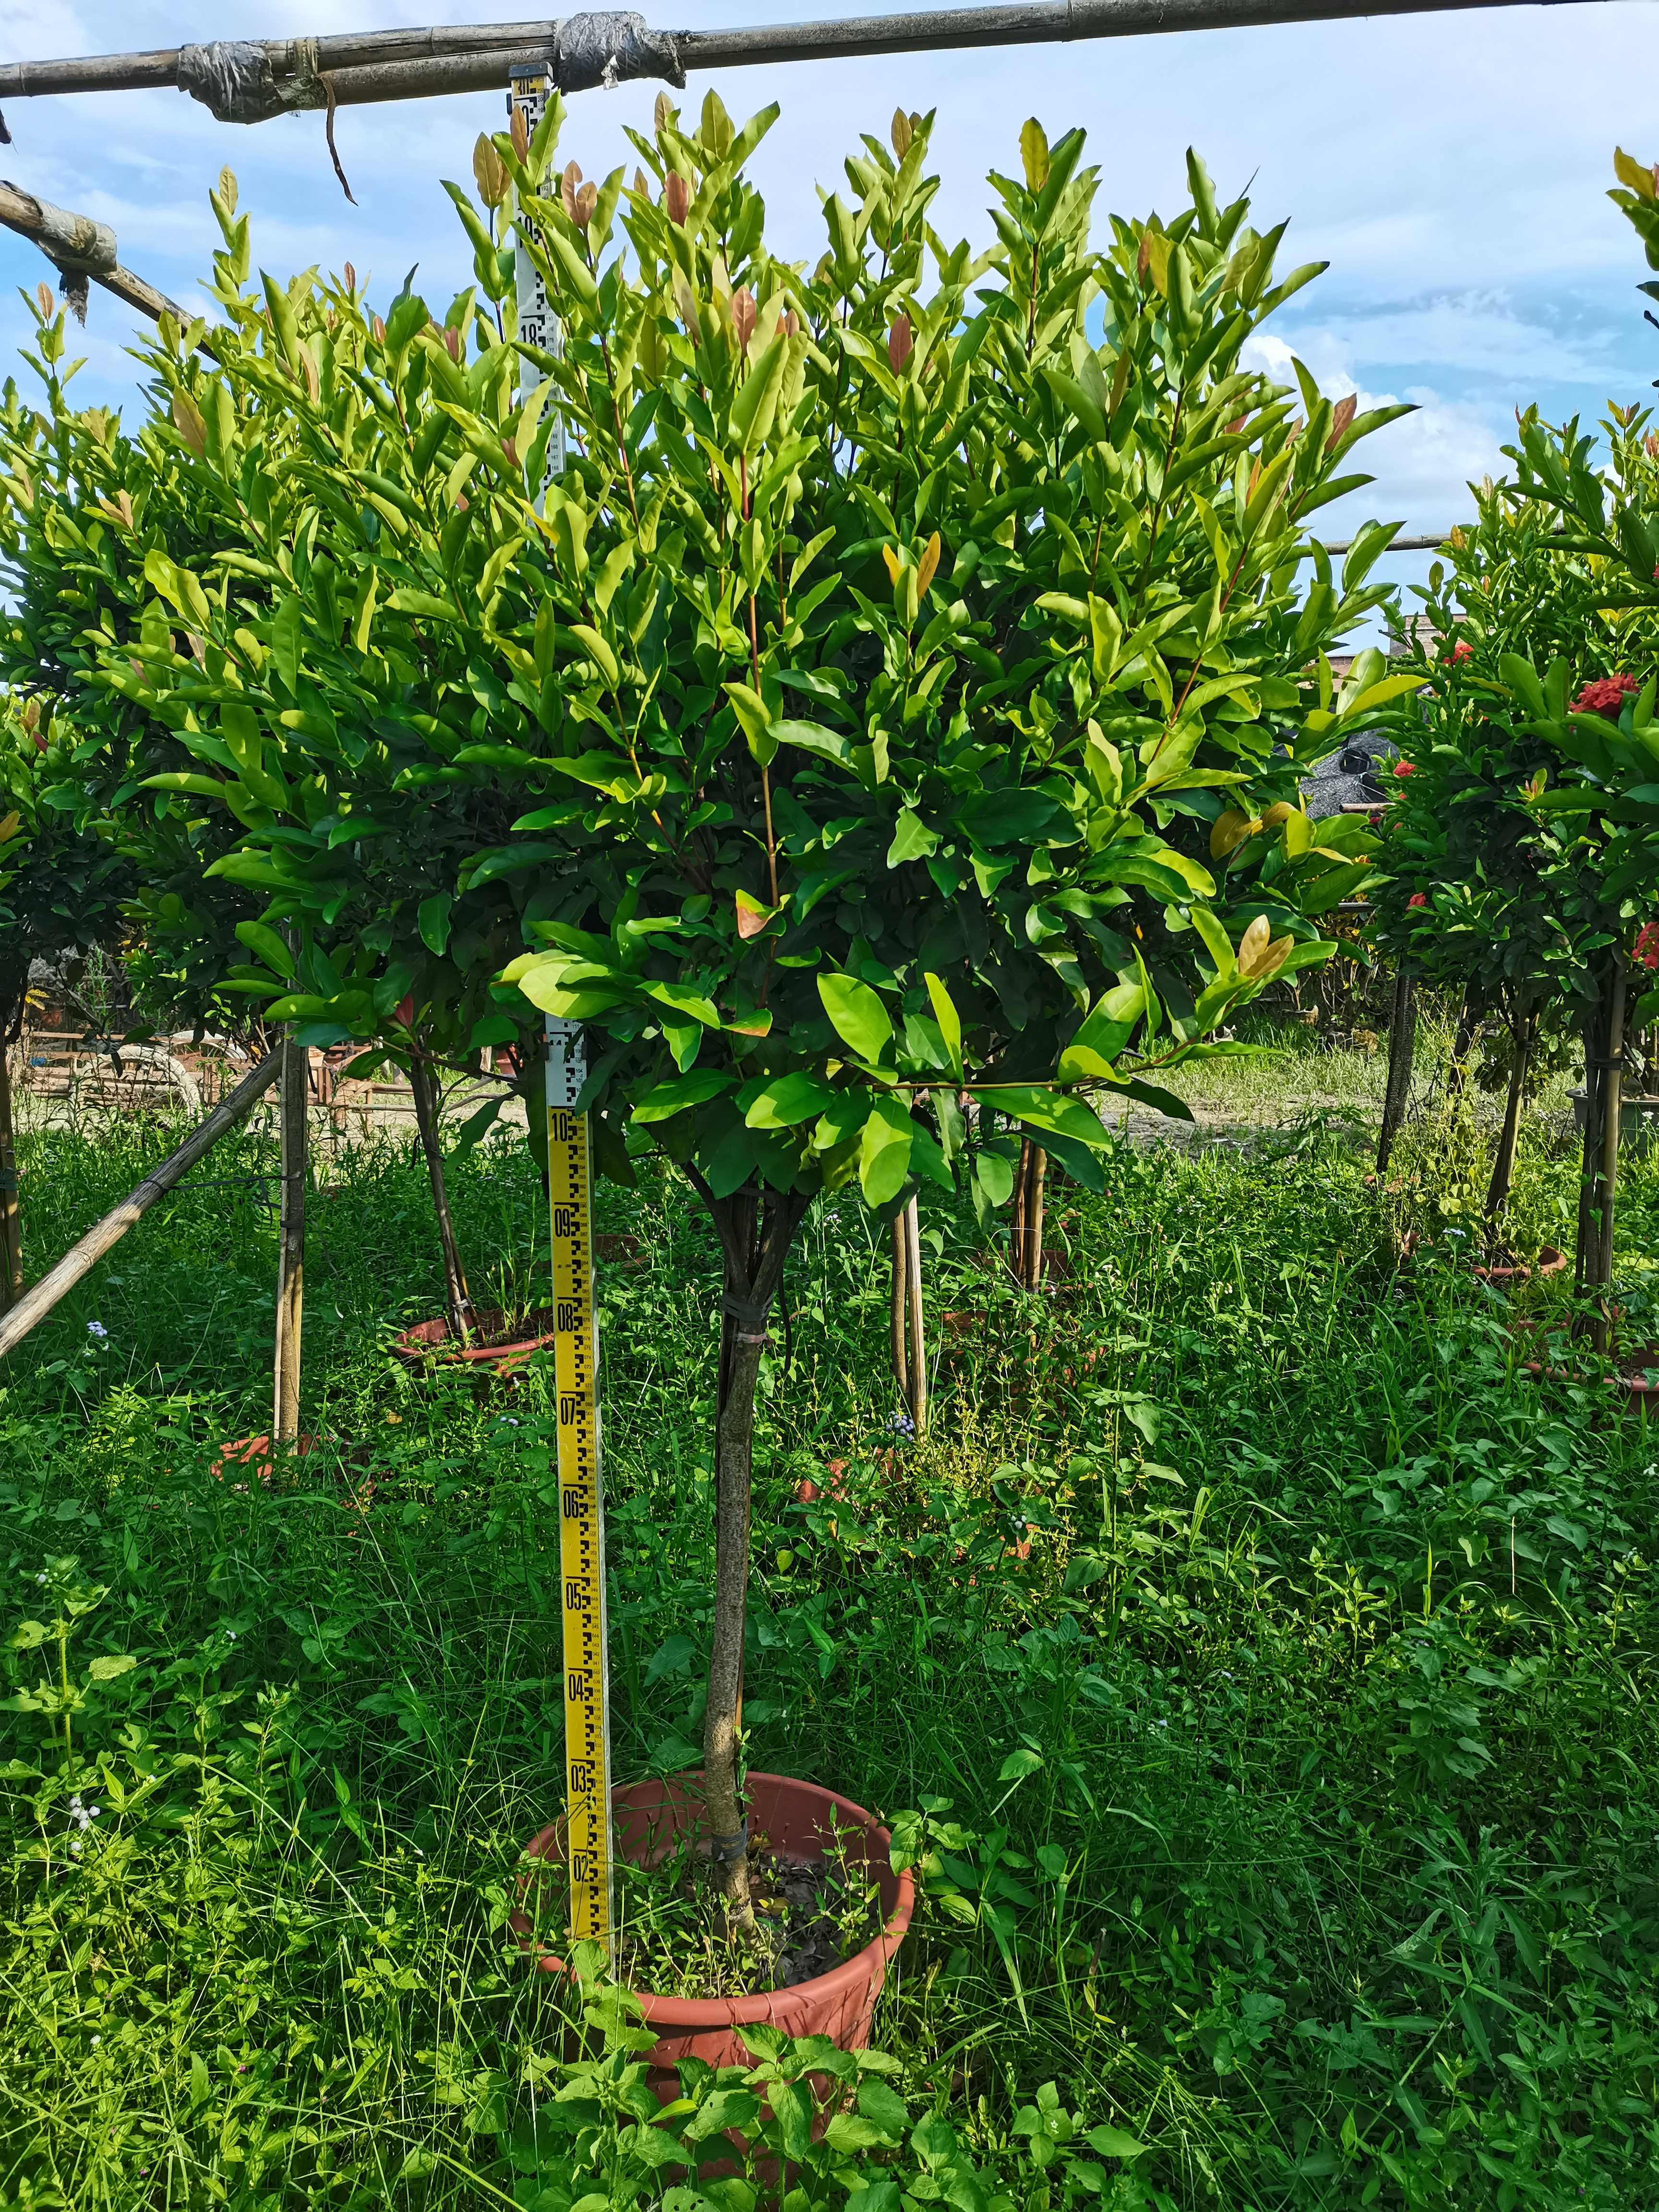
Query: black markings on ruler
point(582, 1526)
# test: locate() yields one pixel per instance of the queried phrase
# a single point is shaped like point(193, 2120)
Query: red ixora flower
point(1604, 695)
point(1461, 650)
point(1645, 952)
point(1416, 898)
point(1404, 768)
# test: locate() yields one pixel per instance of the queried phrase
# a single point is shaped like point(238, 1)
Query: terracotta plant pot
point(1550, 1261)
point(796, 1817)
point(497, 1346)
point(249, 1457)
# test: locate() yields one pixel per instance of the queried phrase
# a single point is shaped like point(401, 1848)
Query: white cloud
point(1422, 464)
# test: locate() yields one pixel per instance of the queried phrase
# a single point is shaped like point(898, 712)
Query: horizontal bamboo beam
point(247, 81)
point(34, 1305)
point(1431, 544)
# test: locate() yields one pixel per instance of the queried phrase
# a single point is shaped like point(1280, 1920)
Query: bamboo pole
point(11, 1225)
point(252, 80)
point(917, 1346)
point(1403, 1045)
point(291, 1247)
point(1036, 1204)
point(423, 1081)
point(898, 1331)
point(1503, 1166)
point(34, 1305)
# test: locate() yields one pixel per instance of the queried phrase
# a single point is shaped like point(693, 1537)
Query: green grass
point(1306, 1764)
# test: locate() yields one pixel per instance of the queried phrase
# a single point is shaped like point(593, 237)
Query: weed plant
point(1263, 1662)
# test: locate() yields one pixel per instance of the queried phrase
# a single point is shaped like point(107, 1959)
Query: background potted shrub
point(61, 890)
point(1471, 901)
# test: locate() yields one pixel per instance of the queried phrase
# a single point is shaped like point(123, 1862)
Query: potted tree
point(870, 724)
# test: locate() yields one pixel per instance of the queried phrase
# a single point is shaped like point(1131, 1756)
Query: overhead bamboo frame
point(248, 80)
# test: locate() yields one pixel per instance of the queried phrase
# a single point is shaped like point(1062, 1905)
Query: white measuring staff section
point(538, 324)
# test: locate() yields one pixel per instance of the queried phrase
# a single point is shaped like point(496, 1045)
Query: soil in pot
point(836, 1916)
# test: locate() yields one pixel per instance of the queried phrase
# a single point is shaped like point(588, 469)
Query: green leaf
point(681, 1092)
point(1108, 1026)
point(885, 1152)
point(265, 945)
point(756, 401)
point(883, 2106)
point(432, 919)
point(288, 630)
point(860, 1020)
point(950, 1022)
point(788, 1100)
point(1113, 2142)
point(813, 738)
point(1047, 1109)
point(109, 1664)
point(755, 721)
point(912, 840)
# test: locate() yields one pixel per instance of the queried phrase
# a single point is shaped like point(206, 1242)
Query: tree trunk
point(897, 1329)
point(291, 1248)
point(1468, 1020)
point(11, 1225)
point(458, 1304)
point(756, 1243)
point(917, 1347)
point(1402, 1044)
point(1603, 1043)
point(1503, 1166)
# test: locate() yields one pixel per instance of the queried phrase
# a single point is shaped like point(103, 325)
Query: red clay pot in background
point(1550, 1261)
point(252, 1456)
point(496, 1345)
point(797, 1817)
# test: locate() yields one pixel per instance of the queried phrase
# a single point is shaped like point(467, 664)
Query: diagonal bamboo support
point(35, 1305)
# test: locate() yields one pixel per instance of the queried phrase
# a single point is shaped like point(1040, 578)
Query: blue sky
point(1452, 168)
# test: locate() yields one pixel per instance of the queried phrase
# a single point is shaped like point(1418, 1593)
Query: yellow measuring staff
point(582, 1498)
point(575, 1350)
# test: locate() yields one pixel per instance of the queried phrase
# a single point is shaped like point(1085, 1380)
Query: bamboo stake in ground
point(1403, 1045)
point(1035, 1202)
point(291, 1246)
point(898, 1331)
point(423, 1080)
point(1503, 1167)
point(34, 1305)
point(916, 1346)
point(11, 1223)
point(1603, 1041)
point(1016, 1220)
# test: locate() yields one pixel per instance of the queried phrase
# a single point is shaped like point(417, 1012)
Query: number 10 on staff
point(581, 1504)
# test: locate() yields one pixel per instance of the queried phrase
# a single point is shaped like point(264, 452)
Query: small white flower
point(231, 1633)
point(75, 1846)
point(96, 2040)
